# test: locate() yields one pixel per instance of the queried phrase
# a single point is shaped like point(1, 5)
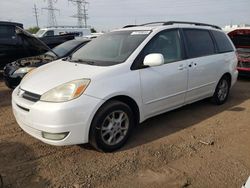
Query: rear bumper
point(244, 71)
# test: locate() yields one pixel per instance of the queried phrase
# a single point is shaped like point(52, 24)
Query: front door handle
point(181, 67)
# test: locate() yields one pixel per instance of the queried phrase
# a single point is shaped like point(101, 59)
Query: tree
point(93, 30)
point(33, 30)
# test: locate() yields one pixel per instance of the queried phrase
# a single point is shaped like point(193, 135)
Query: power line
point(81, 12)
point(36, 14)
point(51, 13)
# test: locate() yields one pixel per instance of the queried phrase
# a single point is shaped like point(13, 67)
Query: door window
point(7, 32)
point(166, 43)
point(199, 43)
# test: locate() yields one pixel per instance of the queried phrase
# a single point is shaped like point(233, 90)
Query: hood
point(36, 45)
point(53, 74)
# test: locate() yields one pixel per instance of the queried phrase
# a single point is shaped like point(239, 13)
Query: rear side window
point(222, 42)
point(199, 43)
point(7, 32)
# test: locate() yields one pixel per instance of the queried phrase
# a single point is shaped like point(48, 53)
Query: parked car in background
point(15, 43)
point(61, 30)
point(122, 78)
point(93, 35)
point(241, 40)
point(243, 61)
point(15, 71)
point(53, 41)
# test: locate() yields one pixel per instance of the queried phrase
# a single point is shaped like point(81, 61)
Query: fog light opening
point(54, 136)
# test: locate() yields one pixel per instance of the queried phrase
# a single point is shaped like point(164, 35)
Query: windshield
point(40, 33)
point(63, 49)
point(110, 49)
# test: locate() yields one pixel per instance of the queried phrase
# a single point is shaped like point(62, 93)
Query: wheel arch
point(122, 98)
point(130, 102)
point(229, 76)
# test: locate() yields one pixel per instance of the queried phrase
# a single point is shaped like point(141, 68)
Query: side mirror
point(153, 60)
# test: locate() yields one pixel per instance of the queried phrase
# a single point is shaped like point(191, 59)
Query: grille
point(31, 96)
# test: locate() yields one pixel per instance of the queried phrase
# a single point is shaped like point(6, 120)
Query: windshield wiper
point(82, 61)
point(68, 58)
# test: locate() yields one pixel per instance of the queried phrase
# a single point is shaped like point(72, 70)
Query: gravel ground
point(200, 145)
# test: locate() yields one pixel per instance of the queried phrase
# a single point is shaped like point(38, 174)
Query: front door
point(164, 87)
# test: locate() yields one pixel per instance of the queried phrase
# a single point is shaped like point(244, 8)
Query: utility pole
point(36, 14)
point(81, 12)
point(51, 13)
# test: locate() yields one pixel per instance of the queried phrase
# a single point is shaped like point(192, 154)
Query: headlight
point(24, 70)
point(66, 92)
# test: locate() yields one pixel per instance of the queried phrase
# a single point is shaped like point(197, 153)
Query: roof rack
point(126, 26)
point(175, 22)
point(191, 23)
point(150, 23)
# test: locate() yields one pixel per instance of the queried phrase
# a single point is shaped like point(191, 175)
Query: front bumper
point(10, 79)
point(12, 82)
point(73, 117)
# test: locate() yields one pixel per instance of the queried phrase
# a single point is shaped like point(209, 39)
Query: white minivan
point(122, 78)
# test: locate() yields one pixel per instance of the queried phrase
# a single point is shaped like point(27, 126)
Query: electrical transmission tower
point(81, 12)
point(51, 13)
point(36, 14)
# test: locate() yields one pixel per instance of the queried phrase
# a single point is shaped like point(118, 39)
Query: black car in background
point(15, 71)
point(55, 40)
point(15, 43)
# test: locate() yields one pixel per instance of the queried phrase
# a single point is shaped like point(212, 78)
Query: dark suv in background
point(15, 43)
point(11, 45)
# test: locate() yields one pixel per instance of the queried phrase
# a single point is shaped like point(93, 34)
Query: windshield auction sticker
point(140, 33)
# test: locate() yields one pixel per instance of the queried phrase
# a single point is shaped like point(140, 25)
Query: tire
point(111, 126)
point(222, 91)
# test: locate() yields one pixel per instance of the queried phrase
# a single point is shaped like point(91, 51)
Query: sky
point(105, 15)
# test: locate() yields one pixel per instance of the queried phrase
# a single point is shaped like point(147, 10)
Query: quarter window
point(166, 43)
point(222, 41)
point(199, 43)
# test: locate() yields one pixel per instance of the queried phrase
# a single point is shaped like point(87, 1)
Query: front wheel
point(111, 126)
point(222, 91)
